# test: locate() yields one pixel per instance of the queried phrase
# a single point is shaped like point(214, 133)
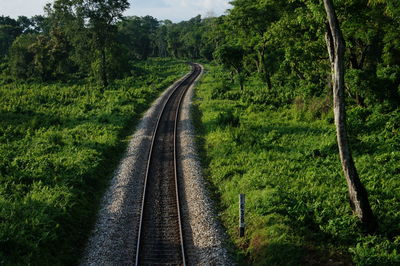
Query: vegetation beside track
point(285, 160)
point(278, 138)
point(59, 144)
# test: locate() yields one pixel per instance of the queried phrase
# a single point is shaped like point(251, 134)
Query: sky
point(175, 10)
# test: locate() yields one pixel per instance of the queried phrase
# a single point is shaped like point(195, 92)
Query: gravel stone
point(207, 241)
point(113, 241)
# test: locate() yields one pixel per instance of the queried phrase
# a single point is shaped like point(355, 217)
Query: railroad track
point(160, 236)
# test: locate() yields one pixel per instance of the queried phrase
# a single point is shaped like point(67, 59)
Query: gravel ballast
point(113, 241)
point(206, 243)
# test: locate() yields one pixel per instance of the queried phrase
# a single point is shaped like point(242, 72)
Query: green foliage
point(21, 57)
point(76, 38)
point(230, 57)
point(312, 108)
point(59, 145)
point(285, 160)
point(298, 211)
point(10, 29)
point(228, 118)
point(138, 36)
point(283, 45)
point(280, 43)
point(102, 16)
point(376, 251)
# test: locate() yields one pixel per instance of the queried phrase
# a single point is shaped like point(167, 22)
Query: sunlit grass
point(285, 161)
point(59, 145)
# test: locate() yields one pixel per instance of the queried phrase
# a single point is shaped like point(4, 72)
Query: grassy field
point(59, 144)
point(285, 161)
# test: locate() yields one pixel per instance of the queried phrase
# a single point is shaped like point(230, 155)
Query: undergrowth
point(284, 158)
point(59, 145)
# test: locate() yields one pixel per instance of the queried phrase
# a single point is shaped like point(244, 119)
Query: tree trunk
point(241, 79)
point(240, 76)
point(359, 100)
point(264, 68)
point(259, 61)
point(268, 79)
point(241, 85)
point(357, 193)
point(103, 67)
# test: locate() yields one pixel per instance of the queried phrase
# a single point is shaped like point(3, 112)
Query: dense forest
point(280, 42)
point(267, 93)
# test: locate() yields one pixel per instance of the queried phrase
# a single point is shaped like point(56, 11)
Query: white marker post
point(241, 214)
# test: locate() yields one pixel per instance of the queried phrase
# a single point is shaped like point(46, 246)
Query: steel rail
point(193, 75)
point(178, 111)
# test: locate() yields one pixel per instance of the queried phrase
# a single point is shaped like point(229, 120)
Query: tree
point(232, 58)
point(192, 37)
point(24, 23)
point(174, 40)
point(9, 31)
point(39, 24)
point(139, 35)
point(65, 22)
point(161, 38)
point(102, 16)
point(392, 7)
point(251, 19)
point(357, 193)
point(21, 57)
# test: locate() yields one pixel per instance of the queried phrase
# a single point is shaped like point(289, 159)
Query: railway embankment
point(113, 241)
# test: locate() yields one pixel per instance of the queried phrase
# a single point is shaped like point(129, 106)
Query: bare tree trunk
point(357, 193)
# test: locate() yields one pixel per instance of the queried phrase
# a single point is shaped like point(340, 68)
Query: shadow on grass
point(277, 252)
point(86, 185)
point(196, 114)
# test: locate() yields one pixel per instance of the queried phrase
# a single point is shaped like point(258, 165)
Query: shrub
point(374, 250)
point(59, 144)
point(228, 118)
point(219, 90)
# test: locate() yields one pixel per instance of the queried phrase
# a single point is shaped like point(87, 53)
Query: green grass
point(285, 160)
point(59, 145)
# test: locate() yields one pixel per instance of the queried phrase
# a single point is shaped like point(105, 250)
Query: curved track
point(160, 237)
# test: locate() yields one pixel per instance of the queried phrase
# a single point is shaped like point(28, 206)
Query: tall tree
point(9, 31)
point(232, 58)
point(66, 20)
point(357, 192)
point(250, 20)
point(102, 16)
point(139, 35)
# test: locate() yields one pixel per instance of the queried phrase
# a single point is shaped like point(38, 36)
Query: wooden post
point(241, 214)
